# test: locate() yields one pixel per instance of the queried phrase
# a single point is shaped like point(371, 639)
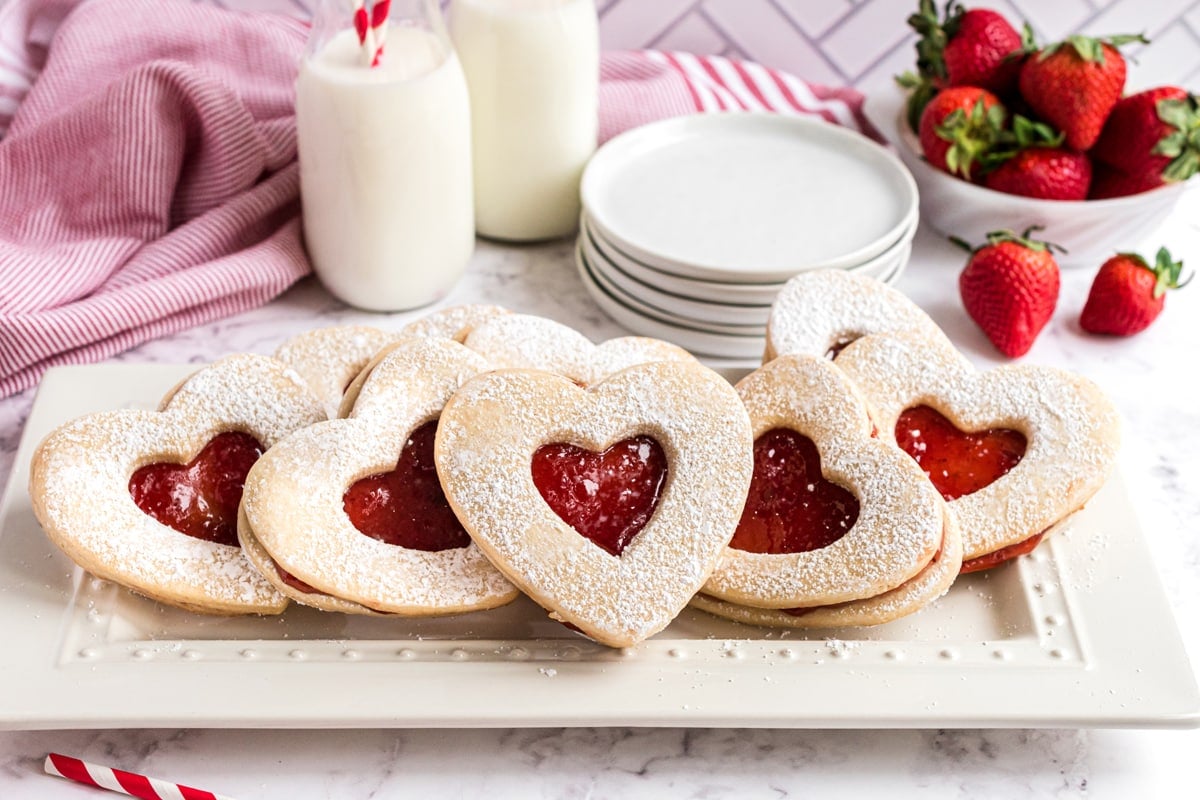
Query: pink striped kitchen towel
point(147, 163)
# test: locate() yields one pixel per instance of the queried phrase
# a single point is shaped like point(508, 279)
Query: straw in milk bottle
point(383, 121)
point(533, 69)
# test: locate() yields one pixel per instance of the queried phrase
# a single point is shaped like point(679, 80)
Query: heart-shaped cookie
point(330, 358)
point(287, 584)
point(503, 426)
point(833, 515)
point(353, 507)
point(819, 312)
point(1058, 431)
point(116, 490)
point(453, 322)
point(909, 597)
point(522, 341)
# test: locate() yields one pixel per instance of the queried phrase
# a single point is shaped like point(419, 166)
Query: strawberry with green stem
point(959, 127)
point(1075, 84)
point(1150, 139)
point(1029, 160)
point(1128, 294)
point(963, 47)
point(1009, 287)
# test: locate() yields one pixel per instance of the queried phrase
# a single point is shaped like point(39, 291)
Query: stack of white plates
point(692, 225)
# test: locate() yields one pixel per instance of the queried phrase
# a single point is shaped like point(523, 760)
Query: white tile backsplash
point(864, 42)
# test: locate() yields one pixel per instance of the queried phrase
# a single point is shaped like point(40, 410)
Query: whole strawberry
point(1029, 160)
point(1128, 294)
point(1009, 288)
point(1074, 85)
point(1047, 173)
point(965, 47)
point(958, 127)
point(1151, 138)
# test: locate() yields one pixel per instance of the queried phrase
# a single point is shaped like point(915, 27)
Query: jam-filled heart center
point(791, 507)
point(957, 463)
point(199, 498)
point(406, 506)
point(608, 497)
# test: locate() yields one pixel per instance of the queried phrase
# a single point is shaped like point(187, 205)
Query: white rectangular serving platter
point(1077, 634)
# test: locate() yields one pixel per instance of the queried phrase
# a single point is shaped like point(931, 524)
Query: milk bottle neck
point(333, 17)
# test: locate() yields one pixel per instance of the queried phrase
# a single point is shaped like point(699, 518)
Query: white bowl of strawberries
point(1002, 134)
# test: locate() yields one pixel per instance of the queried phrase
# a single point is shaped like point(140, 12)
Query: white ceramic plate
point(1077, 634)
point(690, 337)
point(698, 289)
point(704, 313)
point(748, 196)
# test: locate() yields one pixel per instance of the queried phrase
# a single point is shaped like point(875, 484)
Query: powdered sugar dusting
point(1072, 429)
point(822, 310)
point(328, 358)
point(486, 440)
point(900, 522)
point(454, 322)
point(294, 494)
point(267, 567)
point(521, 341)
point(909, 597)
point(81, 472)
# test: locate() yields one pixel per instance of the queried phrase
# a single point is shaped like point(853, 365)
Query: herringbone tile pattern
point(864, 43)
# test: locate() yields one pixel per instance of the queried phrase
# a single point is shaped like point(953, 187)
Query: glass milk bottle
point(533, 69)
point(383, 121)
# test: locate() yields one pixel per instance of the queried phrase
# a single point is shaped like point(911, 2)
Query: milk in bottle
point(385, 159)
point(532, 68)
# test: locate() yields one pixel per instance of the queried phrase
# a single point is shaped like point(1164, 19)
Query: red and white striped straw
point(362, 27)
point(379, 17)
point(129, 784)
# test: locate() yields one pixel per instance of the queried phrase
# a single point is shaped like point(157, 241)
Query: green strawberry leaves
point(971, 135)
point(1183, 143)
point(1024, 239)
point(1090, 48)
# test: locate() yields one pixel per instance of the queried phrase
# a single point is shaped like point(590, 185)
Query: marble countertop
point(1150, 377)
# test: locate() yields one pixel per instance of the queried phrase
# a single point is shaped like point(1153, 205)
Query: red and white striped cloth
point(147, 163)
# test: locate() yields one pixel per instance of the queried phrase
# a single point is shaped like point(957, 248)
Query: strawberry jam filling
point(199, 498)
point(607, 497)
point(791, 508)
point(294, 582)
point(957, 463)
point(998, 557)
point(406, 507)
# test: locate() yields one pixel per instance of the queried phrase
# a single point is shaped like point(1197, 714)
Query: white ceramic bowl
point(1090, 230)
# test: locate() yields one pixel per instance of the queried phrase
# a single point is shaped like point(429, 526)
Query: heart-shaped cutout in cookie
point(406, 506)
point(608, 497)
point(487, 438)
point(199, 498)
point(957, 462)
point(88, 476)
point(1070, 429)
point(792, 507)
